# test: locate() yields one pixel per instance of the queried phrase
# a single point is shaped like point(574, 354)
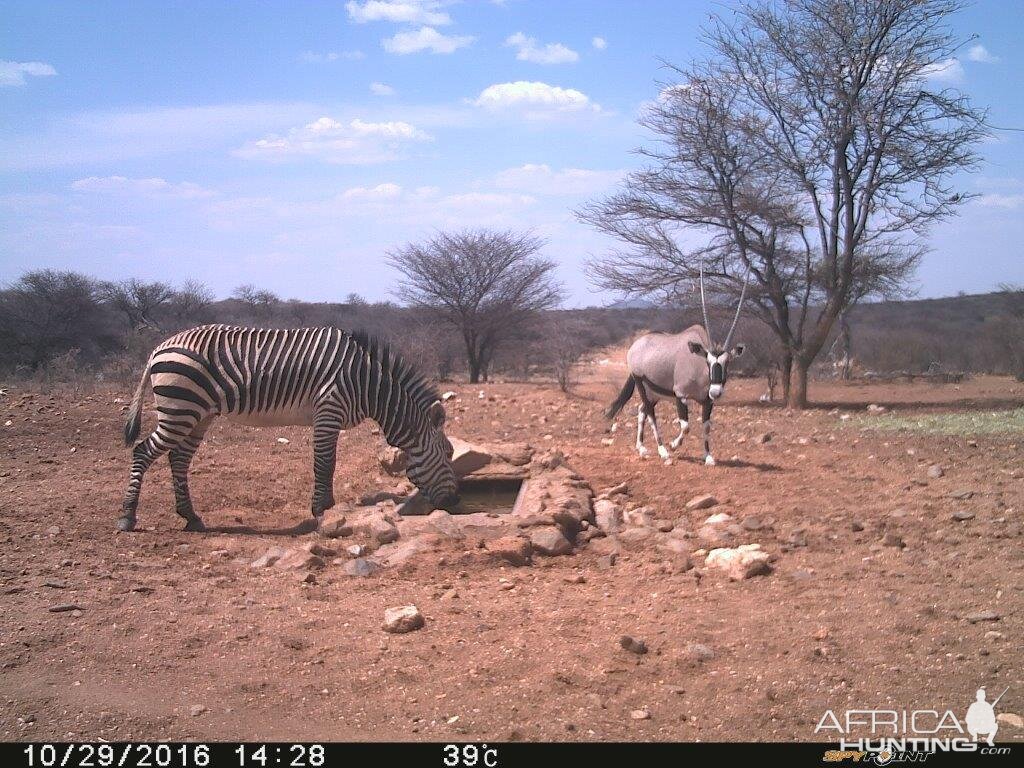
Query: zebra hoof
point(126, 524)
point(663, 452)
point(709, 460)
point(195, 524)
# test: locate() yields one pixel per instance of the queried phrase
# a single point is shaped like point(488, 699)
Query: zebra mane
point(395, 369)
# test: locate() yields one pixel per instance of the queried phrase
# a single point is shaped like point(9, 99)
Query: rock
point(702, 502)
point(980, 616)
point(269, 557)
point(856, 526)
point(632, 537)
point(468, 458)
point(607, 441)
point(962, 494)
point(319, 549)
point(641, 516)
point(356, 550)
point(935, 471)
point(752, 523)
point(875, 408)
point(197, 709)
point(549, 540)
point(893, 539)
point(720, 518)
point(697, 653)
point(640, 714)
point(608, 515)
point(797, 538)
point(400, 552)
point(551, 460)
point(361, 567)
point(406, 618)
point(393, 460)
point(53, 530)
point(633, 645)
point(283, 440)
point(377, 527)
point(334, 525)
point(1011, 719)
point(962, 515)
point(762, 439)
point(615, 490)
point(64, 608)
point(300, 560)
point(512, 549)
point(743, 562)
point(372, 499)
point(606, 562)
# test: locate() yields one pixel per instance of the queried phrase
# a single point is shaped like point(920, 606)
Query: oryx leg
point(641, 417)
point(705, 417)
point(180, 457)
point(647, 405)
point(683, 412)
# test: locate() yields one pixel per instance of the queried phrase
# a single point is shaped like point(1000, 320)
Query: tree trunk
point(786, 372)
point(797, 397)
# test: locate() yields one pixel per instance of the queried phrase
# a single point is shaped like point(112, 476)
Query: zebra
point(677, 367)
point(325, 377)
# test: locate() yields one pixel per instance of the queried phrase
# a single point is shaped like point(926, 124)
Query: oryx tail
point(624, 396)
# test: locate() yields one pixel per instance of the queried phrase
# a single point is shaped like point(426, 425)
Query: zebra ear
point(436, 414)
point(697, 348)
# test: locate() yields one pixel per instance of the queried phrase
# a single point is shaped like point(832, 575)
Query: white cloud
point(599, 43)
point(398, 12)
point(996, 200)
point(980, 53)
point(382, 89)
point(386, 191)
point(542, 180)
point(534, 99)
point(152, 187)
point(527, 49)
point(312, 57)
point(15, 73)
point(947, 71)
point(354, 143)
point(425, 39)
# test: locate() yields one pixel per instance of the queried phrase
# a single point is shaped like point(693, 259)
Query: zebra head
point(430, 461)
point(718, 365)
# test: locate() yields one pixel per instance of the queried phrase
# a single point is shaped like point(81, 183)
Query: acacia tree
point(808, 152)
point(486, 284)
point(138, 301)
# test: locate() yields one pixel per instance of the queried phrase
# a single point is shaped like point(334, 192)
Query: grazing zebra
point(677, 367)
point(324, 377)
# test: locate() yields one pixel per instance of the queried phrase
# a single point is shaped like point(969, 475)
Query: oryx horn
point(739, 308)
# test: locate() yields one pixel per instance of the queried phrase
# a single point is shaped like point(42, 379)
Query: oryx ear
point(697, 348)
point(436, 414)
point(737, 350)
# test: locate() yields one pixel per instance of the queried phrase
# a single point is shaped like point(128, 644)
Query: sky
point(292, 145)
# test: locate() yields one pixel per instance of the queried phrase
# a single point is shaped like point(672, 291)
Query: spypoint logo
point(887, 736)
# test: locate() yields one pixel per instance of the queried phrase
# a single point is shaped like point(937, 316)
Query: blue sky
point(291, 145)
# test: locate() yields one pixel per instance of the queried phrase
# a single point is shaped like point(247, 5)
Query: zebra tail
point(134, 422)
point(627, 392)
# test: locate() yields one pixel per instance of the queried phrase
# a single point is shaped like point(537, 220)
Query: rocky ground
point(823, 564)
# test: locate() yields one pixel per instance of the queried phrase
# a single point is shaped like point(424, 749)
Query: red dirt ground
point(179, 638)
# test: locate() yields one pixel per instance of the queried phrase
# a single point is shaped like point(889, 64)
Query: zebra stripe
point(325, 377)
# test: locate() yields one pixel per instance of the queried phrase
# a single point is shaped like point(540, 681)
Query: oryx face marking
point(718, 366)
